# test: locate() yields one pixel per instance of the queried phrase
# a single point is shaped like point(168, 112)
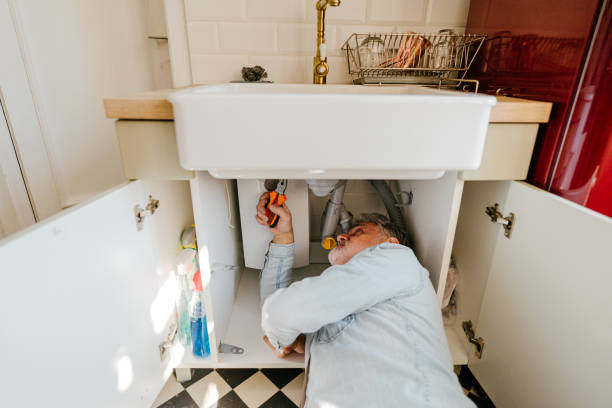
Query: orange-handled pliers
point(277, 197)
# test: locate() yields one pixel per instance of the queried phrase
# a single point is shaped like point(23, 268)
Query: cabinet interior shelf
point(244, 330)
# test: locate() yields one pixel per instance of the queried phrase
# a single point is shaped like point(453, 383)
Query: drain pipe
point(390, 202)
point(334, 213)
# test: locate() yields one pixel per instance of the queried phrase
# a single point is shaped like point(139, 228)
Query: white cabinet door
point(546, 316)
point(22, 115)
point(86, 298)
point(15, 209)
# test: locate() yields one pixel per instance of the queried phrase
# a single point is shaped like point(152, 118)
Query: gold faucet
point(320, 67)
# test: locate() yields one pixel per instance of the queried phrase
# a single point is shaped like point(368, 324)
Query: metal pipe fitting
point(332, 215)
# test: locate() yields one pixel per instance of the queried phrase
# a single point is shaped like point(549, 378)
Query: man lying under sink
point(370, 324)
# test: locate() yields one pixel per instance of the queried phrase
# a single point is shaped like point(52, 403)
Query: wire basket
point(426, 59)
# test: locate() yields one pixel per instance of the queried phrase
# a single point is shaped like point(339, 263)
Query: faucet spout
point(320, 67)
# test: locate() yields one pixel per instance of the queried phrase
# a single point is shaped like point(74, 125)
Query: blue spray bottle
point(199, 330)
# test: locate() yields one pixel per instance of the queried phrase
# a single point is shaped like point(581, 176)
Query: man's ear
point(393, 240)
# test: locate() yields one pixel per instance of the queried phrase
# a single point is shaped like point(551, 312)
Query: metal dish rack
point(411, 58)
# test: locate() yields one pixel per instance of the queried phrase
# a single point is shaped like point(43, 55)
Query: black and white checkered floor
point(265, 388)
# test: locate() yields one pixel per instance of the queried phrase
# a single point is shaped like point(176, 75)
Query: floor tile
point(293, 390)
point(208, 390)
point(182, 400)
point(235, 376)
point(260, 389)
point(171, 388)
point(196, 375)
point(256, 390)
point(281, 376)
point(231, 400)
point(278, 400)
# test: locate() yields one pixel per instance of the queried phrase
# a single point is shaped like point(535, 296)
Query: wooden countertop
point(153, 105)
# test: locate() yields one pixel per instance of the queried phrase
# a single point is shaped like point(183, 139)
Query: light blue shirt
point(374, 329)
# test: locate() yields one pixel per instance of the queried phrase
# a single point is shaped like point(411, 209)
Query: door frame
point(16, 210)
point(22, 115)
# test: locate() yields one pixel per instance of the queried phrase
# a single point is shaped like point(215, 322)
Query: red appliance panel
point(583, 172)
point(535, 49)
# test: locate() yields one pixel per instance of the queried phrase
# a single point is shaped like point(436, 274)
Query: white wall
point(280, 35)
point(77, 52)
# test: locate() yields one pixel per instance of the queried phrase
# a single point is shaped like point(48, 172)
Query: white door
point(86, 298)
point(21, 114)
point(15, 208)
point(546, 315)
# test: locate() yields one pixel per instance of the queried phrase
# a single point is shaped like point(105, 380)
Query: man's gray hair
point(387, 227)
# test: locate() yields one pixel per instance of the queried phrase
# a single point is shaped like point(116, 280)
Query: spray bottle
point(186, 267)
point(197, 318)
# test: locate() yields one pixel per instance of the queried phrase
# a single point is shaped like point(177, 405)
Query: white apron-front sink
point(329, 131)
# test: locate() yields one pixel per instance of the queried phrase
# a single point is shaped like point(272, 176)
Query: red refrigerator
point(558, 51)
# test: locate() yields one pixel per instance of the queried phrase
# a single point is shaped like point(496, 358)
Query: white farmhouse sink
point(329, 131)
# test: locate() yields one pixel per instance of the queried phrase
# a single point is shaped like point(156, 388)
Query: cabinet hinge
point(166, 344)
point(498, 217)
point(478, 342)
point(141, 213)
point(229, 349)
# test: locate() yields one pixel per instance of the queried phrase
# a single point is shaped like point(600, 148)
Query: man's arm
point(278, 264)
point(277, 270)
point(372, 276)
point(276, 274)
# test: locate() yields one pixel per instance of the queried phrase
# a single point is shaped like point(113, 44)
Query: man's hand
point(298, 346)
point(283, 232)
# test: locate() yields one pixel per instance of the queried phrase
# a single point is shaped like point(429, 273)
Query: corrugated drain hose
point(390, 202)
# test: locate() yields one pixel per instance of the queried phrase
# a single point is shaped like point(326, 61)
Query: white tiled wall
point(225, 35)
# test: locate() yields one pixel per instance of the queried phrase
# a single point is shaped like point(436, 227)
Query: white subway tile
point(202, 37)
point(416, 29)
point(302, 39)
point(214, 9)
point(407, 11)
point(276, 9)
point(449, 12)
point(353, 11)
point(211, 69)
point(248, 37)
point(285, 70)
point(428, 29)
point(345, 31)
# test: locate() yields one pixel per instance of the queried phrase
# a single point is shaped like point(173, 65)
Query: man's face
point(357, 239)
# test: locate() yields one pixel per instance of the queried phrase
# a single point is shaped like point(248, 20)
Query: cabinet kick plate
point(497, 217)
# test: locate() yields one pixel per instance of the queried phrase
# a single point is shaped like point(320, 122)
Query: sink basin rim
point(397, 93)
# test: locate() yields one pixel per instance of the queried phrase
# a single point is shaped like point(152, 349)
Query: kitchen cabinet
point(105, 287)
point(518, 292)
point(539, 299)
point(86, 298)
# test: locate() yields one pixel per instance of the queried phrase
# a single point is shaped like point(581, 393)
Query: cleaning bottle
point(182, 309)
point(186, 267)
point(199, 331)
